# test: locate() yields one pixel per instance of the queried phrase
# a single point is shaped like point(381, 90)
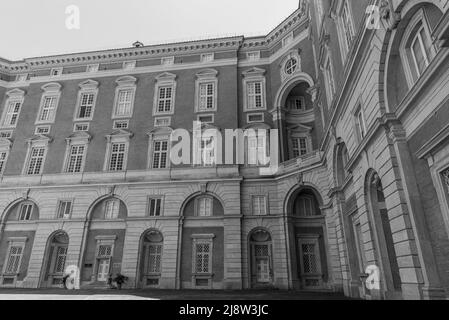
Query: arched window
point(306, 205)
point(151, 257)
point(261, 258)
point(56, 259)
point(417, 50)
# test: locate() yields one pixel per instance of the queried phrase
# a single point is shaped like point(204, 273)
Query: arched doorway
point(104, 242)
point(202, 247)
point(261, 258)
point(15, 245)
point(307, 240)
point(150, 265)
point(55, 259)
point(390, 281)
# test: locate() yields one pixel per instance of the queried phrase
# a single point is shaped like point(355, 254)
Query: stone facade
point(359, 93)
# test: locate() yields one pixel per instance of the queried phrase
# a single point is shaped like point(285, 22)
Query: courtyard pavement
point(61, 294)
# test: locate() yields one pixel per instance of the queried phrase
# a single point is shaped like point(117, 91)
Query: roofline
point(161, 49)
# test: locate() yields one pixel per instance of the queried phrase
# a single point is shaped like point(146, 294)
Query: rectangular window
point(81, 127)
point(204, 207)
point(310, 258)
point(124, 102)
point(128, 65)
point(207, 57)
point(329, 75)
point(208, 151)
point(26, 211)
point(255, 117)
point(207, 96)
point(56, 72)
point(48, 108)
point(255, 95)
point(162, 122)
point(11, 114)
point(3, 157)
point(419, 53)
point(92, 68)
point(111, 209)
point(42, 130)
point(257, 149)
point(348, 27)
point(14, 258)
point(160, 154)
point(154, 207)
point(86, 105)
point(287, 40)
point(75, 159)
point(165, 99)
point(298, 103)
point(253, 56)
point(22, 77)
point(167, 61)
point(121, 124)
point(203, 257)
point(64, 209)
point(117, 158)
point(360, 124)
point(36, 160)
point(299, 147)
point(154, 258)
point(61, 256)
point(209, 118)
point(6, 134)
point(259, 205)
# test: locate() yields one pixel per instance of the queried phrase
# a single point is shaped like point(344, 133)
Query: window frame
point(361, 128)
point(262, 198)
point(69, 154)
point(15, 97)
point(197, 206)
point(116, 205)
point(406, 51)
point(51, 90)
point(30, 156)
point(127, 83)
point(89, 87)
point(165, 80)
point(3, 160)
point(59, 206)
point(206, 77)
point(207, 57)
point(343, 26)
point(28, 215)
point(161, 206)
point(87, 124)
point(254, 75)
point(13, 242)
point(329, 77)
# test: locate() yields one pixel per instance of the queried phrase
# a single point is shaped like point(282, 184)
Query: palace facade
point(359, 91)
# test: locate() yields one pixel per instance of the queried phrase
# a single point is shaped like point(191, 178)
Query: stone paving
point(61, 294)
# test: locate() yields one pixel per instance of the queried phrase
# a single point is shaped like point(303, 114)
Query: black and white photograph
point(224, 155)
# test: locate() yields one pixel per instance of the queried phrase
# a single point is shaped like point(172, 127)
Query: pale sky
point(33, 28)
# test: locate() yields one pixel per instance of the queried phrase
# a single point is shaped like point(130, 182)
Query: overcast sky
point(32, 28)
